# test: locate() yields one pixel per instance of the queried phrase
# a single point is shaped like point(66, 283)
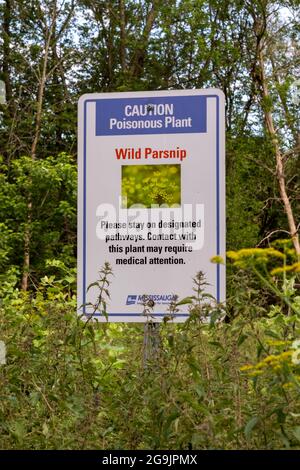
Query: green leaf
point(285, 441)
point(241, 339)
point(170, 419)
point(200, 391)
point(208, 296)
point(91, 331)
point(296, 432)
point(18, 431)
point(94, 284)
point(217, 344)
point(259, 350)
point(45, 430)
point(186, 300)
point(272, 334)
point(250, 426)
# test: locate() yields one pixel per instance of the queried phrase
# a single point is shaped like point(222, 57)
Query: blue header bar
point(151, 115)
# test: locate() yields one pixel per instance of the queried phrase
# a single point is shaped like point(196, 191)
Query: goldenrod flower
point(257, 254)
point(246, 367)
point(217, 259)
point(292, 268)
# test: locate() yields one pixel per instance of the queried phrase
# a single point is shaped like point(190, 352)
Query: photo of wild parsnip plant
point(151, 185)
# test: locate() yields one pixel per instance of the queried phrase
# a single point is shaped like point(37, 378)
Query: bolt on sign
point(151, 199)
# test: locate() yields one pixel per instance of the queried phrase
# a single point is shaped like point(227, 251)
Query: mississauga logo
point(157, 299)
point(131, 299)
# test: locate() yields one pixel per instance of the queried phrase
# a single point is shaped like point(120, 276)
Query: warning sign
point(151, 198)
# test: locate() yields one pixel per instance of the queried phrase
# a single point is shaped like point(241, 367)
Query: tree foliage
point(228, 384)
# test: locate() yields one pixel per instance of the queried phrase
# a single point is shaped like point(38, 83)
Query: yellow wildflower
point(276, 342)
point(246, 367)
point(217, 260)
point(255, 373)
point(232, 254)
point(292, 268)
point(258, 254)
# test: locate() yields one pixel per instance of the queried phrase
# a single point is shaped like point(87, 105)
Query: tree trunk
point(137, 63)
point(279, 158)
point(122, 36)
point(27, 237)
point(288, 117)
point(6, 52)
point(40, 99)
point(38, 122)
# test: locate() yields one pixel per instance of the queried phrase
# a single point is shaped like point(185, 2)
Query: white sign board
point(151, 198)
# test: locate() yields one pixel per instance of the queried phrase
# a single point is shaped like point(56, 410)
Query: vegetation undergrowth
point(227, 378)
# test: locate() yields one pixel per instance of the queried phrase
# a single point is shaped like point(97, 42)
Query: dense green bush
point(70, 384)
point(50, 185)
